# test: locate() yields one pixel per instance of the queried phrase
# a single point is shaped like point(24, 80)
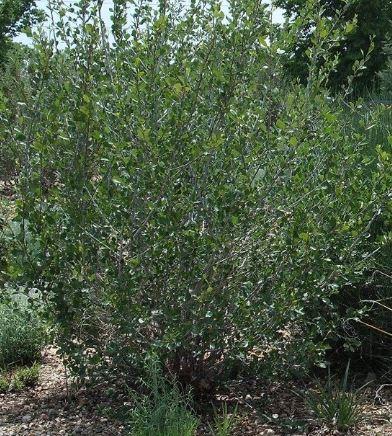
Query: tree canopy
point(373, 24)
point(14, 16)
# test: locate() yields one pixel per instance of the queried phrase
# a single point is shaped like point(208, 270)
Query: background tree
point(14, 16)
point(373, 23)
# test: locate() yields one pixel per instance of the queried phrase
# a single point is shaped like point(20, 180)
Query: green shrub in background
point(373, 120)
point(15, 15)
point(178, 197)
point(372, 25)
point(13, 92)
point(19, 378)
point(385, 75)
point(21, 336)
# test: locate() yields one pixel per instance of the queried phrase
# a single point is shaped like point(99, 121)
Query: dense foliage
point(15, 15)
point(372, 26)
point(12, 93)
point(21, 336)
point(19, 379)
point(386, 74)
point(178, 197)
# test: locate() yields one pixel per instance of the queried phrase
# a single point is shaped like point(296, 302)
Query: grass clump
point(224, 421)
point(336, 406)
point(4, 383)
point(19, 379)
point(165, 411)
point(21, 336)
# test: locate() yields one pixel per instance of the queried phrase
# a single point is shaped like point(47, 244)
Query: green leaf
point(234, 219)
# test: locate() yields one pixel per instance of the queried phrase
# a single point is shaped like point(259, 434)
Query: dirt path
point(46, 410)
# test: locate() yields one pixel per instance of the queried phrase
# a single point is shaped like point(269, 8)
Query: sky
point(278, 17)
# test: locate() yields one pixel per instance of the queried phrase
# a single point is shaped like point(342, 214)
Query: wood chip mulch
point(262, 409)
point(280, 409)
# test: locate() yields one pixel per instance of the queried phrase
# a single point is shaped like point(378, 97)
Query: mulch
point(50, 409)
point(262, 409)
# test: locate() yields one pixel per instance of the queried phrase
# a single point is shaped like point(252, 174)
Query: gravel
point(47, 411)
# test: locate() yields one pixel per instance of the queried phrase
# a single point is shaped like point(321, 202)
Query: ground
point(49, 410)
point(279, 409)
point(263, 409)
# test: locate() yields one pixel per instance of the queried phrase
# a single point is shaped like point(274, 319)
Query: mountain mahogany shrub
point(376, 125)
point(183, 200)
point(14, 92)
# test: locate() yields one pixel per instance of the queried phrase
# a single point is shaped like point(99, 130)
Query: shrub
point(386, 74)
point(4, 383)
point(177, 197)
point(13, 92)
point(21, 336)
point(19, 378)
point(367, 332)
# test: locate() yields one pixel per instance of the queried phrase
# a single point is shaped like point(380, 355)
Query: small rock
point(26, 418)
